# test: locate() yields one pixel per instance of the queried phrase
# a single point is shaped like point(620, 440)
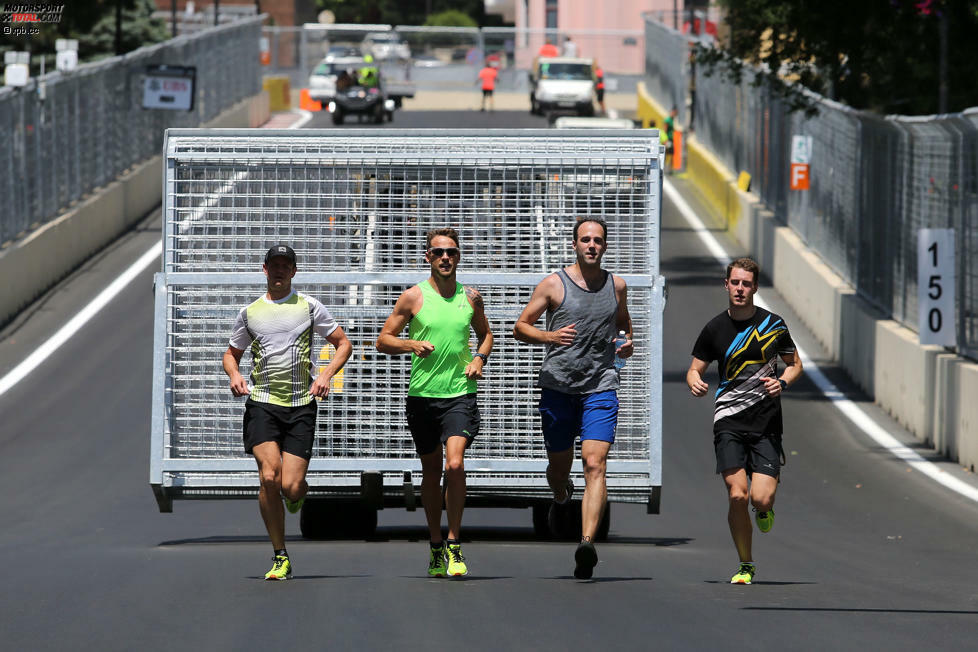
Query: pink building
point(612, 32)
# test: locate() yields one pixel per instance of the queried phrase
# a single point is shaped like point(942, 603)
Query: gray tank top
point(588, 364)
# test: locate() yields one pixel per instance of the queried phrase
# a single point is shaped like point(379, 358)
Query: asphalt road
point(865, 553)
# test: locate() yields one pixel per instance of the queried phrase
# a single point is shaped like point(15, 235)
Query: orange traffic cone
point(306, 103)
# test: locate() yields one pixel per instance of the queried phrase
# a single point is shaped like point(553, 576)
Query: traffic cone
point(306, 103)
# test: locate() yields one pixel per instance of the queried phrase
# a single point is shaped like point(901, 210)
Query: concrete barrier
point(929, 392)
point(53, 250)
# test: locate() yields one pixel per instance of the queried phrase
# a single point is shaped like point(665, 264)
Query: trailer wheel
point(327, 519)
point(337, 117)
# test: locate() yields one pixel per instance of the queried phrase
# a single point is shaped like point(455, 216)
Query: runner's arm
point(694, 377)
point(231, 362)
point(339, 340)
point(540, 300)
point(389, 341)
point(480, 324)
point(623, 321)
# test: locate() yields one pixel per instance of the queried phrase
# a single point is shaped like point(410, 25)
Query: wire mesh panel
point(356, 205)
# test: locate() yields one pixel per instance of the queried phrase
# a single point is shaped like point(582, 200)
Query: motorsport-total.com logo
point(23, 18)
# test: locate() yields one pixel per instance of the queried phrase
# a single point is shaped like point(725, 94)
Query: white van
point(562, 84)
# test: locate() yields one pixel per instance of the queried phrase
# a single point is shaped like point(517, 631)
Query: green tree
point(450, 18)
point(406, 12)
point(92, 23)
point(880, 55)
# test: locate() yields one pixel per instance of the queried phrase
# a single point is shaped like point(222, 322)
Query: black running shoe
point(586, 559)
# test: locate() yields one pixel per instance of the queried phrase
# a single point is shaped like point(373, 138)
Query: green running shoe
point(436, 565)
point(745, 575)
point(294, 507)
point(765, 520)
point(281, 569)
point(456, 562)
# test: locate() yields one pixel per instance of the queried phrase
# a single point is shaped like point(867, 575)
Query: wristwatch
point(784, 385)
point(484, 356)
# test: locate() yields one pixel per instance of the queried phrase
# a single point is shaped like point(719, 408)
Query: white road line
point(53, 343)
point(853, 412)
point(65, 333)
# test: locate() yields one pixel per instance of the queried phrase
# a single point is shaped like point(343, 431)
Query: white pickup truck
point(562, 85)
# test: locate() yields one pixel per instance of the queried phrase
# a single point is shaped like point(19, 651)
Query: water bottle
point(619, 341)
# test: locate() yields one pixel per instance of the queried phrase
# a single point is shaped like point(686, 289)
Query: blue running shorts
point(565, 417)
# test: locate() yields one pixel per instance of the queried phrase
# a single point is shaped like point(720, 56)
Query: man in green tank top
point(441, 404)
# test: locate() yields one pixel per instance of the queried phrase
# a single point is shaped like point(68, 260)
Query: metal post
point(173, 18)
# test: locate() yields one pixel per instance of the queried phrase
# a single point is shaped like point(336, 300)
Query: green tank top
point(445, 323)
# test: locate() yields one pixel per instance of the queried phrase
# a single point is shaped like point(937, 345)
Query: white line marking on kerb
point(53, 343)
point(853, 412)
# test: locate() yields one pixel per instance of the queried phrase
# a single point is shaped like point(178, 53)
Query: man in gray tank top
point(586, 307)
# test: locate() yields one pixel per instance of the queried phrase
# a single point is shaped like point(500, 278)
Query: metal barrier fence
point(356, 206)
point(85, 128)
point(448, 58)
point(667, 66)
point(874, 182)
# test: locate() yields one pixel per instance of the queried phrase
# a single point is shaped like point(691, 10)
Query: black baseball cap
point(280, 250)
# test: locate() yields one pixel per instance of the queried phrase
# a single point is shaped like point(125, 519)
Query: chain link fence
point(875, 180)
point(66, 134)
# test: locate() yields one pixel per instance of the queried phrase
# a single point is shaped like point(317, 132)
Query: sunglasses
point(438, 252)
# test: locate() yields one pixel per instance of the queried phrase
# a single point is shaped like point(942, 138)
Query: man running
point(441, 404)
point(586, 307)
point(746, 341)
point(280, 414)
point(488, 76)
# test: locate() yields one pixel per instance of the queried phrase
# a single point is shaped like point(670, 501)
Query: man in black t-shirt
point(746, 341)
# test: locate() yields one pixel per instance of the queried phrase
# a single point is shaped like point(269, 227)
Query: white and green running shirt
point(280, 336)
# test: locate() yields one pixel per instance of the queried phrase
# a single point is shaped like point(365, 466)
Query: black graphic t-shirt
point(745, 351)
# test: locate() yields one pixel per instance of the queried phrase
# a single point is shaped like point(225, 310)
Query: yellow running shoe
point(436, 566)
point(745, 575)
point(765, 520)
point(281, 569)
point(456, 562)
point(294, 507)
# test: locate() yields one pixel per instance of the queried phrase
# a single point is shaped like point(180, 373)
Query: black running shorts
point(433, 420)
point(753, 452)
point(292, 428)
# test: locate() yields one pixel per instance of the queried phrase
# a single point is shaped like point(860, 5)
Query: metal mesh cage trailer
point(355, 205)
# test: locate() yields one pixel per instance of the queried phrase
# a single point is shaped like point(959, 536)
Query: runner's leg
point(455, 484)
point(431, 464)
point(737, 517)
point(594, 456)
point(269, 460)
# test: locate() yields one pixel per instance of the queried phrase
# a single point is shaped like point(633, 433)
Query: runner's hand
point(699, 388)
point(771, 386)
point(625, 350)
point(563, 336)
point(320, 387)
point(422, 349)
point(474, 369)
point(239, 386)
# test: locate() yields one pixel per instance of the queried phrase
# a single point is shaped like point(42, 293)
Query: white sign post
point(935, 287)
